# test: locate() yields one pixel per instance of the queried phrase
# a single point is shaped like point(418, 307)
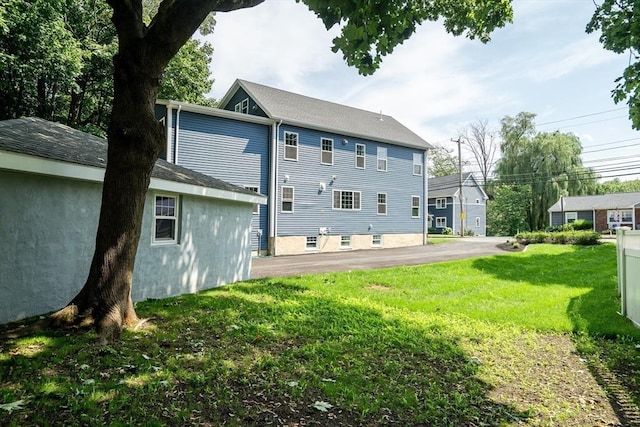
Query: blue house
point(444, 204)
point(336, 177)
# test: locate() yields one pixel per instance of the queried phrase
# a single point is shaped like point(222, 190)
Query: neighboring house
point(336, 177)
point(444, 204)
point(195, 232)
point(605, 211)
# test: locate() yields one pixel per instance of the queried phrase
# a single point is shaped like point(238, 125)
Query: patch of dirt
point(377, 287)
point(512, 246)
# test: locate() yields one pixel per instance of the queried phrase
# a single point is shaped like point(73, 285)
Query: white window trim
point(242, 106)
point(342, 240)
point(477, 222)
point(340, 208)
point(292, 200)
point(382, 155)
point(311, 248)
point(284, 141)
point(322, 150)
point(378, 204)
point(418, 207)
point(363, 156)
point(175, 218)
point(376, 245)
point(440, 219)
point(417, 161)
point(440, 204)
point(611, 219)
point(570, 215)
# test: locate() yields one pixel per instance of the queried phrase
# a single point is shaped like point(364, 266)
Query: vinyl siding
point(313, 207)
point(447, 212)
point(557, 218)
point(234, 151)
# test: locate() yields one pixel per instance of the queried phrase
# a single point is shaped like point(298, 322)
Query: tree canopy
point(548, 164)
point(619, 23)
point(442, 161)
point(56, 62)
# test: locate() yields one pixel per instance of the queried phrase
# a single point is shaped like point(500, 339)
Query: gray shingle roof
point(448, 186)
point(315, 113)
point(41, 138)
point(600, 201)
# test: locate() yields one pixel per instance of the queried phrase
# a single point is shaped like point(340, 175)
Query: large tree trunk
point(135, 142)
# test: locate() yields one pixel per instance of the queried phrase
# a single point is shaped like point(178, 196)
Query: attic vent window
point(242, 106)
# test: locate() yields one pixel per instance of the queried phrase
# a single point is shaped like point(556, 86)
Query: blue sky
point(437, 84)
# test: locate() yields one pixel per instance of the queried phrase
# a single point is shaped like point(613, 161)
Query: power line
point(581, 117)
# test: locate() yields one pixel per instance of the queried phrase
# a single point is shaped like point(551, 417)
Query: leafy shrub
point(469, 232)
point(582, 224)
point(560, 237)
point(447, 230)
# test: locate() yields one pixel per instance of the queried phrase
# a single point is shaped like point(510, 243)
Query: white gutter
point(177, 132)
point(425, 184)
point(273, 186)
point(49, 167)
point(168, 129)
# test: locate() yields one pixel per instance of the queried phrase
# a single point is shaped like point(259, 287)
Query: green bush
point(582, 224)
point(560, 237)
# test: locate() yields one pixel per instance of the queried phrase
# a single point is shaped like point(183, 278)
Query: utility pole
point(460, 185)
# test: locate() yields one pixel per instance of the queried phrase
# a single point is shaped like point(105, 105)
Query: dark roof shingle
point(315, 113)
point(41, 138)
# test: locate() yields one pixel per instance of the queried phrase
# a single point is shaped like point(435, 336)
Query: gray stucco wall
point(47, 233)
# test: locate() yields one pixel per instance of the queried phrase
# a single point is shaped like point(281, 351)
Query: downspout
point(273, 184)
point(425, 185)
point(177, 132)
point(168, 129)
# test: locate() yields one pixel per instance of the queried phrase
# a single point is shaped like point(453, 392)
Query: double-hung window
point(417, 164)
point(382, 159)
point(360, 156)
point(287, 199)
point(165, 224)
point(382, 203)
point(441, 203)
point(346, 200)
point(345, 241)
point(376, 240)
point(441, 222)
point(290, 146)
point(570, 217)
point(326, 151)
point(415, 206)
point(242, 106)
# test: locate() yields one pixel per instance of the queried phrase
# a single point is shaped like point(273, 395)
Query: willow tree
point(547, 165)
point(369, 30)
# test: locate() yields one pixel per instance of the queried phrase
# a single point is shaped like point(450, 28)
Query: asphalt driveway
point(281, 266)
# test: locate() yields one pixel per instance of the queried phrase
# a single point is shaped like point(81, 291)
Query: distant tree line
point(56, 62)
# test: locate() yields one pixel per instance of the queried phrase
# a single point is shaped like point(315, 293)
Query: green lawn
point(476, 342)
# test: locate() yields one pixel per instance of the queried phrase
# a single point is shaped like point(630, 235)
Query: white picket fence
point(629, 273)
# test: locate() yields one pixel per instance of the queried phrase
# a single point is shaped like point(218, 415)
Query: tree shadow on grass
point(592, 267)
point(252, 354)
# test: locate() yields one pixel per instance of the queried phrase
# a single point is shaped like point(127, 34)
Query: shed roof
point(595, 202)
point(43, 139)
point(315, 113)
